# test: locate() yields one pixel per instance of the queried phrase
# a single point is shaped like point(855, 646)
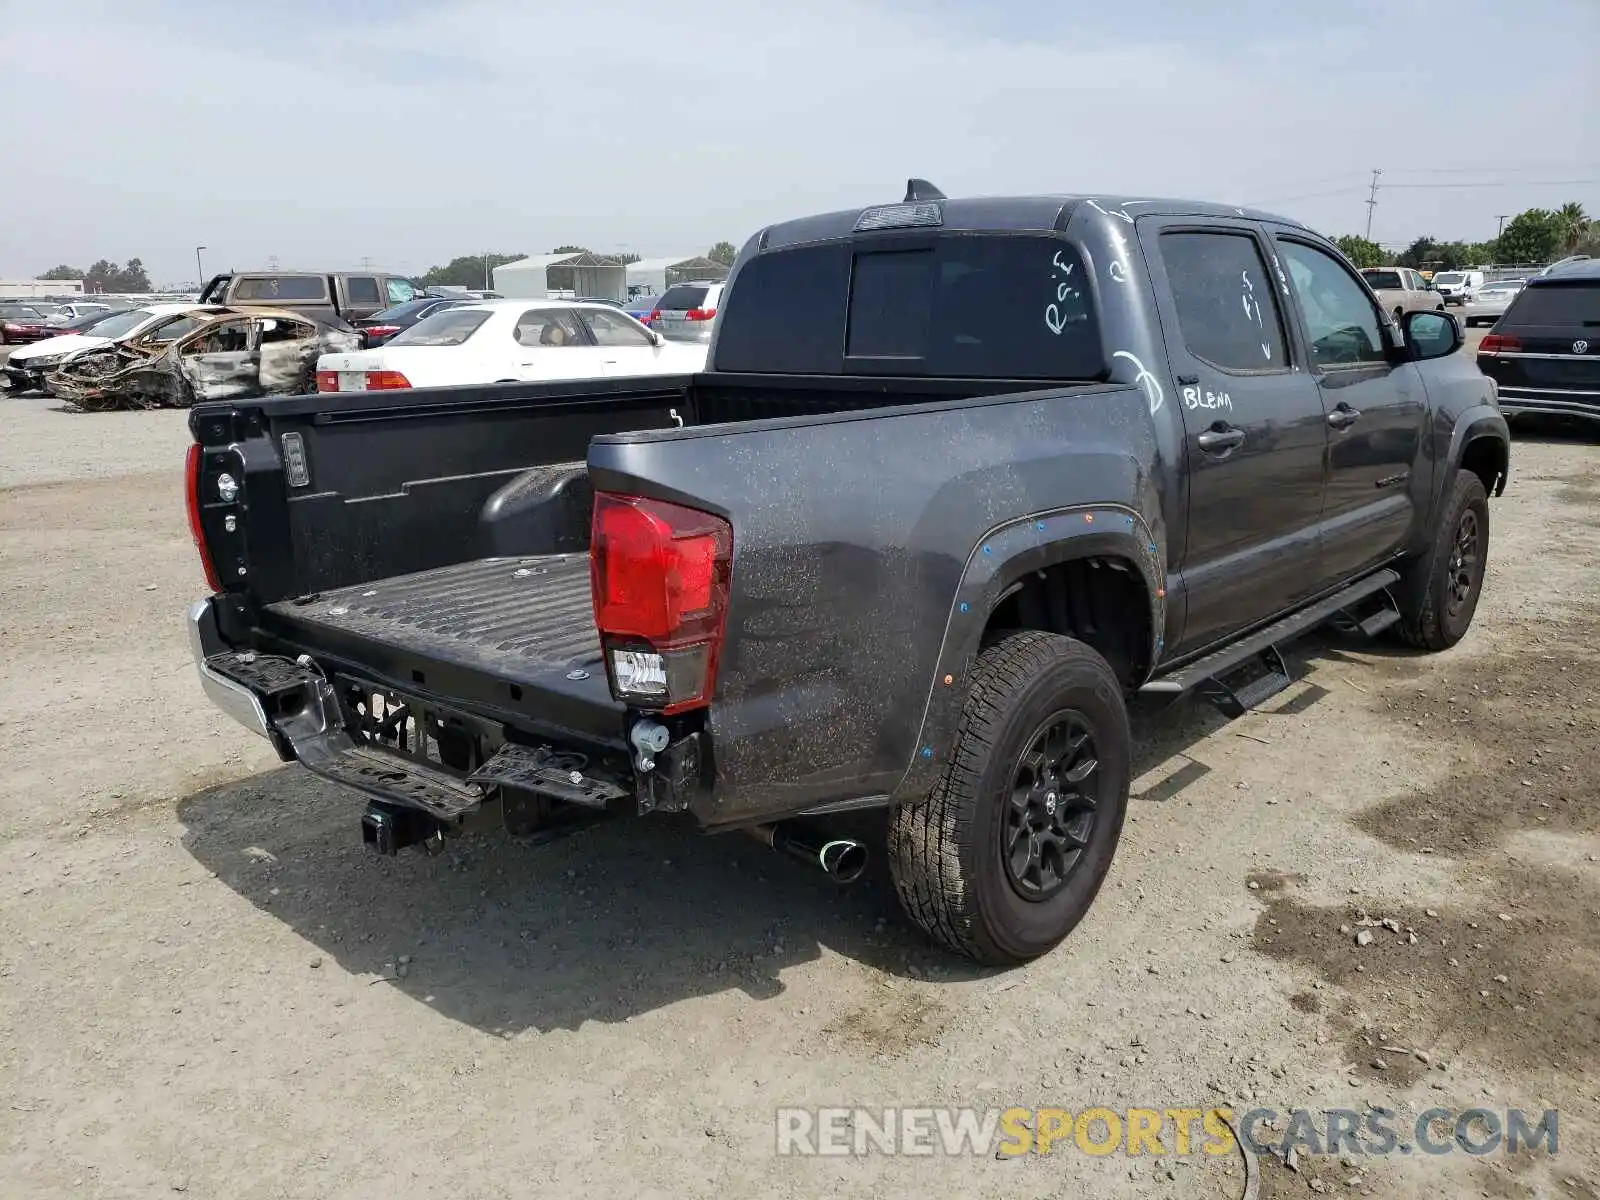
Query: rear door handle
point(1343, 416)
point(1220, 439)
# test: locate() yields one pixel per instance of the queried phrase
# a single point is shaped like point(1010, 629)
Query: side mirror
point(1431, 334)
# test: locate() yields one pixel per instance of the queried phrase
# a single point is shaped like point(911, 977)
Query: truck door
point(1375, 408)
point(1253, 427)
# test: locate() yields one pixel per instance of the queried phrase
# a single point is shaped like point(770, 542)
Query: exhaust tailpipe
point(844, 860)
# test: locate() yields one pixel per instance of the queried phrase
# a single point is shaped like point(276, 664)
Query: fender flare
point(1481, 420)
point(995, 566)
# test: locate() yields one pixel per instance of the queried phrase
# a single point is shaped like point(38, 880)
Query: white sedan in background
point(1489, 302)
point(506, 341)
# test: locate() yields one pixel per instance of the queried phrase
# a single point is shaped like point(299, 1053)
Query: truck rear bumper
point(236, 700)
point(414, 752)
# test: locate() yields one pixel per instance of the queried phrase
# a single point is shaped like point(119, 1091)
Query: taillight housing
point(379, 331)
point(700, 314)
point(659, 574)
point(376, 381)
point(651, 316)
point(1499, 343)
point(192, 480)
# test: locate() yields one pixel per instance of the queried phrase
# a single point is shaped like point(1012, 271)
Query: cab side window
point(1227, 309)
point(1340, 318)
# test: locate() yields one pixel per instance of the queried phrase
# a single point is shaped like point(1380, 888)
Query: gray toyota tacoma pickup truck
point(964, 476)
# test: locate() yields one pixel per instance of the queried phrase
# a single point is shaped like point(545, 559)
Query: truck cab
point(351, 295)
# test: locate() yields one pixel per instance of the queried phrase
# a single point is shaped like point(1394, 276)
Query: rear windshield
point(681, 297)
point(1574, 304)
point(18, 312)
point(1451, 277)
point(281, 287)
point(962, 306)
point(1383, 279)
point(404, 311)
point(448, 328)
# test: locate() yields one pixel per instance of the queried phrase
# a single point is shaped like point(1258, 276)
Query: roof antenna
point(921, 189)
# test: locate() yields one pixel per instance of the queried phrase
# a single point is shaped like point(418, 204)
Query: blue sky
point(323, 133)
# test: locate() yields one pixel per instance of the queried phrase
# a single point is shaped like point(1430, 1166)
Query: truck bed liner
point(518, 617)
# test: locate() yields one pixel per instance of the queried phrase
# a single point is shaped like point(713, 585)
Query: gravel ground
point(206, 985)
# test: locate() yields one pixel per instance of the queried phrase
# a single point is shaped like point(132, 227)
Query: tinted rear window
point(681, 297)
point(403, 311)
point(1574, 304)
point(984, 307)
point(448, 328)
point(281, 287)
point(1383, 279)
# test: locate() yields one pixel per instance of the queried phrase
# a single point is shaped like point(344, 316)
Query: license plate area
point(446, 741)
point(352, 381)
point(473, 750)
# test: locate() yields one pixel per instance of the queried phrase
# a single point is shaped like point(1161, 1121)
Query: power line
point(1485, 167)
point(1499, 183)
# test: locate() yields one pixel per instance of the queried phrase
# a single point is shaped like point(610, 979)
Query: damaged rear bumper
point(393, 747)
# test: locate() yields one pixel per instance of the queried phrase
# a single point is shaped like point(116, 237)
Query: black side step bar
point(1211, 668)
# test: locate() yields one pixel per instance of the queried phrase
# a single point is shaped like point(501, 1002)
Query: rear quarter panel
point(857, 539)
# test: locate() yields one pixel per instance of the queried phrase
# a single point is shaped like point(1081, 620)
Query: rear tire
point(1439, 594)
point(1007, 852)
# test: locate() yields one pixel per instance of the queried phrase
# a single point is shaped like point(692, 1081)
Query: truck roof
point(1005, 213)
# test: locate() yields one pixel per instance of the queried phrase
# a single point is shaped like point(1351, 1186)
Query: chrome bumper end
point(232, 698)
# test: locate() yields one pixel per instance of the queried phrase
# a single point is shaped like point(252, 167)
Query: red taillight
point(327, 381)
point(1499, 343)
point(10, 328)
point(192, 502)
point(659, 574)
point(700, 314)
point(378, 381)
point(380, 331)
point(653, 314)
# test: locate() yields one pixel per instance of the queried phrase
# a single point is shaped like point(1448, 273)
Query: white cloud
point(418, 134)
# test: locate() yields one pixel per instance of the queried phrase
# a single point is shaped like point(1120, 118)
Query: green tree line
point(105, 276)
point(1536, 235)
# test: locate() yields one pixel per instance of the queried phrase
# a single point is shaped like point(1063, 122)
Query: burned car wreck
point(234, 354)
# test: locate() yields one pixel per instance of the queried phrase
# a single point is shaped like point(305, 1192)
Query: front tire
point(1439, 594)
point(1007, 852)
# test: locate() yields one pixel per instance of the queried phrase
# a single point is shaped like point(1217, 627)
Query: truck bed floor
point(516, 617)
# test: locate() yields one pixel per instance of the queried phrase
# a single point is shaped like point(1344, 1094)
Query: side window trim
point(1253, 234)
point(1379, 313)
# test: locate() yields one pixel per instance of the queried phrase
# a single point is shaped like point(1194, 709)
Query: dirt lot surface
point(1380, 891)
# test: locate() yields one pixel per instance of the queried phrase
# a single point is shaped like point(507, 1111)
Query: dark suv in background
point(1544, 353)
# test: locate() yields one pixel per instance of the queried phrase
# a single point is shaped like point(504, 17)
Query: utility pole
point(1501, 217)
point(272, 262)
point(366, 263)
point(488, 285)
point(200, 272)
point(1372, 200)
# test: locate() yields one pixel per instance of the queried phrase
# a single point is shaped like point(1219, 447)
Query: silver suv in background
point(687, 311)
